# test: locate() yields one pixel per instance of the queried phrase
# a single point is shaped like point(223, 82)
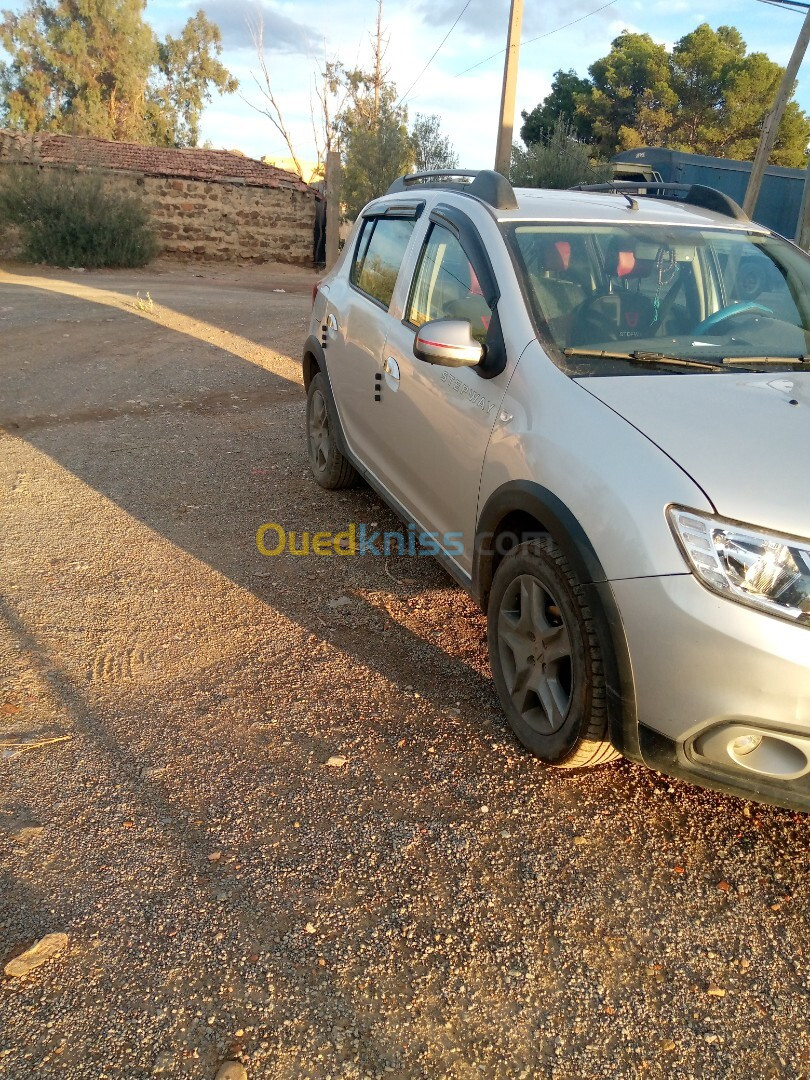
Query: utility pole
point(506, 121)
point(774, 118)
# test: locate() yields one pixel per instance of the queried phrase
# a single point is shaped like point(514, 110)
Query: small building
point(206, 204)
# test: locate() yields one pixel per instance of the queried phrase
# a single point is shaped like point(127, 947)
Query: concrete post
point(332, 208)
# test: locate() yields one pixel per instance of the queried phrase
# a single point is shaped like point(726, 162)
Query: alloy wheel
point(536, 654)
point(319, 431)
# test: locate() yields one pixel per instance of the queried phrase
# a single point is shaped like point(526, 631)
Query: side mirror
point(448, 343)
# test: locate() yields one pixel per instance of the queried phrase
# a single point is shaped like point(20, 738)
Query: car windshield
point(609, 299)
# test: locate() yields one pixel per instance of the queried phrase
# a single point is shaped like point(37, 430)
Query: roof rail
point(708, 198)
point(490, 187)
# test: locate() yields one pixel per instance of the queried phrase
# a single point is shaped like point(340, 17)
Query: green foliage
point(561, 104)
point(75, 218)
point(725, 95)
point(559, 162)
point(77, 66)
point(431, 149)
point(707, 96)
point(632, 102)
point(187, 69)
point(374, 139)
point(95, 67)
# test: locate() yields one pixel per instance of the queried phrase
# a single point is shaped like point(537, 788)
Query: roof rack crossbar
point(707, 198)
point(484, 184)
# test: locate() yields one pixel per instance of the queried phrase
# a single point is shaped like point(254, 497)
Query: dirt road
point(438, 905)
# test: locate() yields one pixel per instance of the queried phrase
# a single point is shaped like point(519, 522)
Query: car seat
point(556, 294)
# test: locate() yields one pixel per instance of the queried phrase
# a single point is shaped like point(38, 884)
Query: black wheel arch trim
point(313, 350)
point(557, 520)
point(534, 500)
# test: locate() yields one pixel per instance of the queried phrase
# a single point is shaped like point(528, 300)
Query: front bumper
point(706, 670)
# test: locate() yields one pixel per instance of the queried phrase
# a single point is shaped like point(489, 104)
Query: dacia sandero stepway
point(605, 394)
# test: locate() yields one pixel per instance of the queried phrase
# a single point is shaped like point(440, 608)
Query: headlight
point(755, 567)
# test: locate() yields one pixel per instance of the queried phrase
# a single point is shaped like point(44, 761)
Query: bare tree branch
point(271, 110)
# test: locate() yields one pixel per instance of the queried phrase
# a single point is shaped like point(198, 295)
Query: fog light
point(745, 744)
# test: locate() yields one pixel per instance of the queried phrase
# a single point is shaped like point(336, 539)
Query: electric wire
point(436, 53)
point(529, 41)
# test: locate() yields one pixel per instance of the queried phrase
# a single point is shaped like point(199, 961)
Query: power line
point(436, 53)
point(529, 41)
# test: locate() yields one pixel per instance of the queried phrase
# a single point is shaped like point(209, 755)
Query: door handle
point(392, 369)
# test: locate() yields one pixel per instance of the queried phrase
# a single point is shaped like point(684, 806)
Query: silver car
point(593, 405)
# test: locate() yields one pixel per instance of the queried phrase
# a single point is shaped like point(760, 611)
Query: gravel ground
point(439, 904)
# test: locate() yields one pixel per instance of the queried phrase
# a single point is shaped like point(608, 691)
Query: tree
point(707, 96)
point(562, 103)
point(632, 101)
point(95, 67)
point(332, 94)
point(561, 161)
point(78, 67)
point(375, 141)
point(724, 95)
point(187, 70)
point(373, 131)
point(431, 150)
point(270, 107)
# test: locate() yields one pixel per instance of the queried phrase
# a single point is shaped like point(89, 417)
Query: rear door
point(357, 320)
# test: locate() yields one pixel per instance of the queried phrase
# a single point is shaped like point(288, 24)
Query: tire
point(545, 657)
point(329, 467)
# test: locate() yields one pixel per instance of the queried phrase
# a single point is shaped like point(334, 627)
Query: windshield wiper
point(639, 357)
point(767, 360)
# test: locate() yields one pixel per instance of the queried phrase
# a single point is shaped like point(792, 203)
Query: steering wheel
point(611, 317)
point(731, 312)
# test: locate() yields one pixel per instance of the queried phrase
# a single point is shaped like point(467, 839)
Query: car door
point(437, 420)
point(357, 320)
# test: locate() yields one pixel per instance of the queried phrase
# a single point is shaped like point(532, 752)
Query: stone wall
point(231, 222)
point(220, 221)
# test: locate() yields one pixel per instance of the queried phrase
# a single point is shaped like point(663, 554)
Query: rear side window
point(379, 254)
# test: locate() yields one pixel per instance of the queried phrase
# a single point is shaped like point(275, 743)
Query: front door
point(437, 420)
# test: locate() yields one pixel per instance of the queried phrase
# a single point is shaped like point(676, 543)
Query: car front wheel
point(546, 659)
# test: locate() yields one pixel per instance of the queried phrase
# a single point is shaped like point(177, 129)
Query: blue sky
point(299, 34)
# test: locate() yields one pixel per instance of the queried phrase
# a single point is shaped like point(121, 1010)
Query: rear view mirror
point(448, 343)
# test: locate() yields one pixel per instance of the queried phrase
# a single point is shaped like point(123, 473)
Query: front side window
point(378, 256)
point(718, 296)
point(446, 285)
